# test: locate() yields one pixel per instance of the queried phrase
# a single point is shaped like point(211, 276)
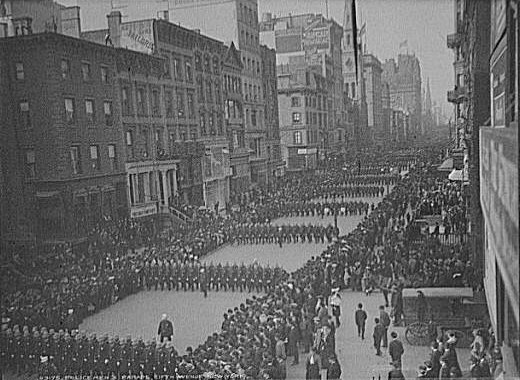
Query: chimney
point(114, 28)
point(70, 21)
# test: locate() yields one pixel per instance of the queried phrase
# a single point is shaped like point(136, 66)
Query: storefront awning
point(458, 175)
point(446, 166)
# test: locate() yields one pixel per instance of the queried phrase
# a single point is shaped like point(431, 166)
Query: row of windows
point(67, 73)
point(248, 15)
point(311, 118)
point(232, 83)
point(208, 91)
point(207, 63)
point(70, 112)
point(251, 65)
point(94, 161)
point(90, 112)
point(249, 39)
point(252, 92)
point(182, 71)
point(75, 157)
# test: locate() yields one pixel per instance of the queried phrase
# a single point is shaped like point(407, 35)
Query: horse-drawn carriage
point(430, 313)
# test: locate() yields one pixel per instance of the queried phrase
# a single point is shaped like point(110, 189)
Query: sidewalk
point(357, 357)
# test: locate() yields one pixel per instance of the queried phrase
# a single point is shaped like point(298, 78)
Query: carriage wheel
point(418, 334)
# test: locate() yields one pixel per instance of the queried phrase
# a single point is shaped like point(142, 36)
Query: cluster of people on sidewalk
point(257, 337)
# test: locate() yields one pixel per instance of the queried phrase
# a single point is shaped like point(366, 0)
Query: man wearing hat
point(335, 301)
point(396, 349)
point(165, 329)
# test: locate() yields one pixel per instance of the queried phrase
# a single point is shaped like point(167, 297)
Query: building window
point(156, 103)
point(129, 137)
point(141, 101)
point(207, 64)
point(216, 66)
point(297, 117)
point(177, 69)
point(65, 69)
point(295, 101)
point(189, 72)
point(104, 74)
point(126, 101)
point(169, 102)
point(95, 159)
point(253, 118)
point(209, 97)
point(75, 160)
point(180, 103)
point(70, 110)
point(202, 122)
point(191, 106)
point(112, 157)
point(198, 62)
point(107, 109)
point(211, 122)
point(200, 89)
point(25, 116)
point(30, 164)
point(20, 73)
point(89, 111)
point(167, 68)
point(297, 137)
point(85, 71)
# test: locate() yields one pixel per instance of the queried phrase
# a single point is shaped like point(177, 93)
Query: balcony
point(453, 40)
point(457, 95)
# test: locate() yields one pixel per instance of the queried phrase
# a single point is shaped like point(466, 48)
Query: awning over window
point(458, 175)
point(446, 166)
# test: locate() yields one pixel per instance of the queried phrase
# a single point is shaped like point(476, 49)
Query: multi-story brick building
point(62, 149)
point(302, 94)
point(147, 110)
point(272, 128)
point(195, 98)
point(235, 21)
point(234, 116)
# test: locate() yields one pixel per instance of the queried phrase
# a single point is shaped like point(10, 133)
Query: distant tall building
point(404, 79)
point(235, 21)
point(316, 41)
point(374, 89)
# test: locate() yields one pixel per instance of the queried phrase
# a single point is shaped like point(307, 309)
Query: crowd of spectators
point(253, 336)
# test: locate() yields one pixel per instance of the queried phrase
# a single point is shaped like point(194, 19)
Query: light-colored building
point(235, 21)
point(302, 93)
point(317, 41)
point(404, 79)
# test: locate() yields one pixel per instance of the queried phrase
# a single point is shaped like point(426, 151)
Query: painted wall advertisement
point(138, 36)
point(317, 38)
